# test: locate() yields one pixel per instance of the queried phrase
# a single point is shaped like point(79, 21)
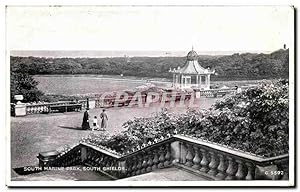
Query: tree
point(24, 84)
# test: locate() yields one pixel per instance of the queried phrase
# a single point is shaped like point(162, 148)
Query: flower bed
point(255, 121)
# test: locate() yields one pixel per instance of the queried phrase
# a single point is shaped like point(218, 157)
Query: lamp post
point(87, 104)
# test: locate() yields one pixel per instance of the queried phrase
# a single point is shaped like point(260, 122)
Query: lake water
point(84, 84)
point(93, 84)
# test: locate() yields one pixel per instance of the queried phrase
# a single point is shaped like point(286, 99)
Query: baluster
point(213, 164)
point(129, 168)
point(108, 164)
point(221, 168)
point(285, 176)
point(204, 161)
point(196, 159)
point(161, 158)
point(133, 166)
point(155, 160)
point(177, 158)
point(285, 169)
point(98, 160)
point(103, 162)
point(115, 173)
point(250, 171)
point(240, 174)
point(144, 164)
point(230, 170)
point(183, 153)
point(168, 156)
point(149, 162)
point(189, 156)
point(139, 165)
point(31, 109)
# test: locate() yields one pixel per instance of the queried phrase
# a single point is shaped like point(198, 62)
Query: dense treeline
point(232, 67)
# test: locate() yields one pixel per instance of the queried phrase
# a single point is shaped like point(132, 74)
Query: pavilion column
point(174, 80)
point(208, 81)
point(200, 81)
point(181, 80)
point(197, 80)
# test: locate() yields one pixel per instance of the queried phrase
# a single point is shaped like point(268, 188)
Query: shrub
point(255, 120)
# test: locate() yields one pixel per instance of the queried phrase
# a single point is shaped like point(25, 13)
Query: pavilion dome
point(192, 56)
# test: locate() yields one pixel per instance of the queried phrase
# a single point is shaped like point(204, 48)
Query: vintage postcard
point(125, 96)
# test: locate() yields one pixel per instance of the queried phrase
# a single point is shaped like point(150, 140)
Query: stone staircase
point(176, 157)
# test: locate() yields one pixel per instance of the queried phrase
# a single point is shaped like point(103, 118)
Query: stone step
point(167, 174)
point(61, 175)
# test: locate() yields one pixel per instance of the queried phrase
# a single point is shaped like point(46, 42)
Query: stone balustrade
point(216, 92)
point(149, 158)
point(218, 162)
point(37, 108)
point(206, 159)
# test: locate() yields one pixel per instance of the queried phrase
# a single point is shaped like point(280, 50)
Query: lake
point(91, 84)
point(84, 84)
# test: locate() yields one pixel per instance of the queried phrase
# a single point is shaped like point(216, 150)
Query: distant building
point(192, 75)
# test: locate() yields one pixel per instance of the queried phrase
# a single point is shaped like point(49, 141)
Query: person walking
point(85, 122)
point(104, 120)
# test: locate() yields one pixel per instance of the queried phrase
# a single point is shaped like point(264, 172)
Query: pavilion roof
point(192, 67)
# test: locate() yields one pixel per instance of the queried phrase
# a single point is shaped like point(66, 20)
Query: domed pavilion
point(192, 75)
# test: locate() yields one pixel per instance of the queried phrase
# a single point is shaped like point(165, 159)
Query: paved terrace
point(42, 132)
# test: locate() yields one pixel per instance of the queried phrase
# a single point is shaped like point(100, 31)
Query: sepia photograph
point(150, 96)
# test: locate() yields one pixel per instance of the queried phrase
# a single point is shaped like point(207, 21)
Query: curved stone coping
point(214, 146)
point(232, 151)
point(153, 145)
point(102, 150)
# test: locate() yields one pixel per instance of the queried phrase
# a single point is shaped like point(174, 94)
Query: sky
point(170, 30)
